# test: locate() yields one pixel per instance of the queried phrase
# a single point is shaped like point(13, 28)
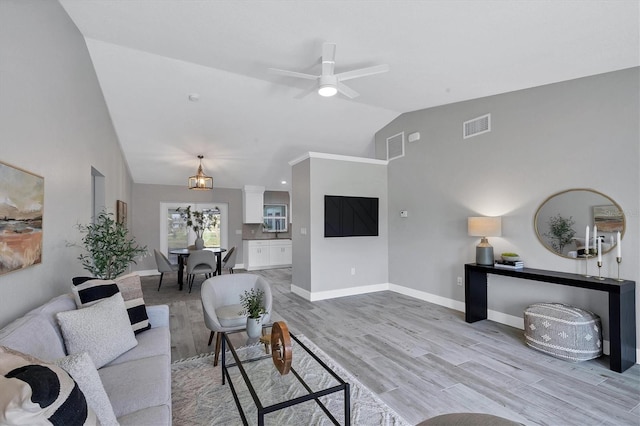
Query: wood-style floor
point(424, 360)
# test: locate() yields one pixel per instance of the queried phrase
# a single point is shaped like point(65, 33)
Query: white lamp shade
point(484, 226)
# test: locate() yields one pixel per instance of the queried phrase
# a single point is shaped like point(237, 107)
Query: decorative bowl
point(510, 258)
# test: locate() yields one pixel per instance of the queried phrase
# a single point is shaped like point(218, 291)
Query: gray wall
point(300, 197)
point(54, 123)
point(332, 259)
point(582, 133)
point(146, 217)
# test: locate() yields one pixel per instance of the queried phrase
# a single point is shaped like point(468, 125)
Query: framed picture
point(121, 209)
point(608, 218)
point(21, 214)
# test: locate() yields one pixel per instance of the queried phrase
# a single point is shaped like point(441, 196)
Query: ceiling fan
point(329, 83)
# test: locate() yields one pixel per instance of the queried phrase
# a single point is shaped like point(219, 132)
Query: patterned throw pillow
point(88, 291)
point(34, 392)
point(131, 290)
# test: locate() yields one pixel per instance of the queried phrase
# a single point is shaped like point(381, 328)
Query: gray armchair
point(221, 304)
point(163, 265)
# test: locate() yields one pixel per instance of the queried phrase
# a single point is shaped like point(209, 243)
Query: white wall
point(54, 123)
point(333, 259)
point(582, 133)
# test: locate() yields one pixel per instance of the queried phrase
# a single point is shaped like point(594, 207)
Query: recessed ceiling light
point(194, 97)
point(284, 182)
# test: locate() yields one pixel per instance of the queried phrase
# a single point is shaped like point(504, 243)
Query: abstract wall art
point(21, 214)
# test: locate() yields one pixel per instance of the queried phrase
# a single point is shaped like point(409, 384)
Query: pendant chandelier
point(200, 181)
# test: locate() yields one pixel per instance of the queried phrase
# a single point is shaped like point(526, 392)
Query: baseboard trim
point(332, 294)
point(428, 297)
point(147, 272)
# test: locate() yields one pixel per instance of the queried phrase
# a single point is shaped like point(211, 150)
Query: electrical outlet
point(460, 281)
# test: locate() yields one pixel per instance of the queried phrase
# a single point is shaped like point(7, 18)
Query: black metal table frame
point(622, 299)
point(343, 386)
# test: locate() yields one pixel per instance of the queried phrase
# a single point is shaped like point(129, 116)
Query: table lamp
point(484, 227)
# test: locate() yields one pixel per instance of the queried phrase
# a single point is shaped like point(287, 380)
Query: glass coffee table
point(310, 389)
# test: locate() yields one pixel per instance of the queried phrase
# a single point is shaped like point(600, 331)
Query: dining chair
point(200, 262)
point(229, 261)
point(223, 312)
point(164, 265)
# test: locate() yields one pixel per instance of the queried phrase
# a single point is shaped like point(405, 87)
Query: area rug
point(199, 398)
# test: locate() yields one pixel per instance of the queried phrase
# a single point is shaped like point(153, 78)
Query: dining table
point(183, 254)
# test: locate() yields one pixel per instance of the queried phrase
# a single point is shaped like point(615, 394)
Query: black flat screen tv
point(350, 216)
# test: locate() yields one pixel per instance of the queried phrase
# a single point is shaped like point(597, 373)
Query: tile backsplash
point(251, 231)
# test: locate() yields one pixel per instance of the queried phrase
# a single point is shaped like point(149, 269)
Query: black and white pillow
point(88, 291)
point(131, 290)
point(34, 392)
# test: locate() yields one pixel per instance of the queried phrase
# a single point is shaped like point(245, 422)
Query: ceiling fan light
point(327, 90)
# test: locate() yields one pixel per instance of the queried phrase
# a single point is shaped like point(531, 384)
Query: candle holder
point(619, 261)
point(600, 277)
point(586, 264)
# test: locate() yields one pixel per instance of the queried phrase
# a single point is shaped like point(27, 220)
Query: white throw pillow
point(83, 371)
point(103, 330)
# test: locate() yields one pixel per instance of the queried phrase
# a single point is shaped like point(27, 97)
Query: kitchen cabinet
point(280, 252)
point(265, 254)
point(252, 204)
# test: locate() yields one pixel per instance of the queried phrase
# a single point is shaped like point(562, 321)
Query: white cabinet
point(280, 253)
point(265, 254)
point(252, 204)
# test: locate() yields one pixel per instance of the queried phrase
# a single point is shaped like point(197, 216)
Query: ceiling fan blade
point(328, 58)
point(347, 91)
point(307, 92)
point(288, 73)
point(362, 72)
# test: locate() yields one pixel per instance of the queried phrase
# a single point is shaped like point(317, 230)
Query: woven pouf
point(563, 331)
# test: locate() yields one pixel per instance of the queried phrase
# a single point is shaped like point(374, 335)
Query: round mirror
point(561, 221)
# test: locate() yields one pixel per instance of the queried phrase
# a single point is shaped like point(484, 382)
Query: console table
point(622, 303)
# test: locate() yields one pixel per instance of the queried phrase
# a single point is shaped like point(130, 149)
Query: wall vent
point(477, 126)
point(395, 146)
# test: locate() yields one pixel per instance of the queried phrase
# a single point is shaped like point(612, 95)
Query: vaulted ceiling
point(150, 55)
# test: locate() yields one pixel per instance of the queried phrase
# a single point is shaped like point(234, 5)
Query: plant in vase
point(560, 231)
point(110, 248)
point(199, 221)
point(252, 302)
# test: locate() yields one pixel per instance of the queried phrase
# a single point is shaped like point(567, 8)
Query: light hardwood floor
point(423, 359)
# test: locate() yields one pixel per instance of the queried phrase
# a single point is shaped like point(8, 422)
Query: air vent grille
point(395, 146)
point(477, 126)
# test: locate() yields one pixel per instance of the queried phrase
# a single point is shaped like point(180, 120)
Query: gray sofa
point(138, 382)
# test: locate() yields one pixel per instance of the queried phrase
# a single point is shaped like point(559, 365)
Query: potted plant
point(252, 302)
point(110, 248)
point(199, 221)
point(560, 231)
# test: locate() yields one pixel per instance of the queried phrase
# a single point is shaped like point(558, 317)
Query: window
point(275, 218)
point(175, 235)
